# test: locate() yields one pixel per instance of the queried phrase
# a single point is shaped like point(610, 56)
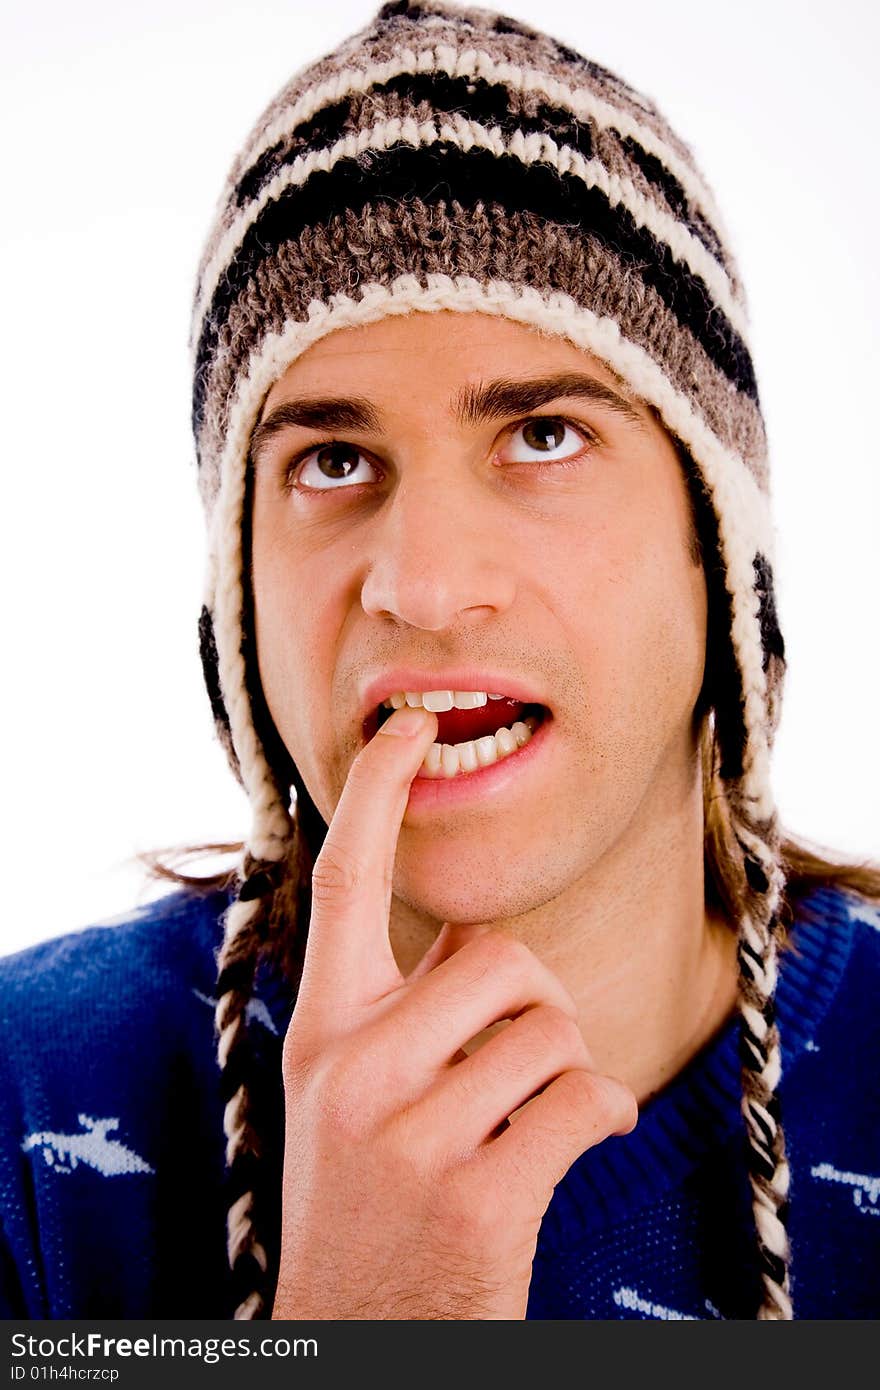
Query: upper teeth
point(440, 700)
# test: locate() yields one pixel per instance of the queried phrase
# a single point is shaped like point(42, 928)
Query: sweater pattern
point(112, 1195)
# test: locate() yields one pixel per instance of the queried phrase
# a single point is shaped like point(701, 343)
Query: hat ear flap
point(772, 642)
point(722, 688)
point(211, 674)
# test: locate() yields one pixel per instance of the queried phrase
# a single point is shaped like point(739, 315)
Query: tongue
point(463, 725)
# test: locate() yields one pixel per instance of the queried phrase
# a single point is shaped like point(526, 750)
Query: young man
point(491, 589)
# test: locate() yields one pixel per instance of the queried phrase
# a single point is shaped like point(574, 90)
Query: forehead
point(434, 355)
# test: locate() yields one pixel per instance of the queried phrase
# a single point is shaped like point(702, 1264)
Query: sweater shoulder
point(89, 991)
point(830, 970)
point(863, 924)
point(843, 931)
point(840, 907)
point(111, 1127)
point(163, 944)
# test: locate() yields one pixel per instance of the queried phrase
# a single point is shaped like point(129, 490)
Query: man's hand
point(408, 1191)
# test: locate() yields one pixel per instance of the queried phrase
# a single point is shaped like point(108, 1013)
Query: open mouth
point(469, 739)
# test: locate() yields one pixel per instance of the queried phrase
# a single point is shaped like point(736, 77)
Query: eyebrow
point(496, 399)
point(314, 414)
point(473, 405)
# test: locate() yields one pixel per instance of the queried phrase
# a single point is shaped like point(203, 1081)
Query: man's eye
point(332, 466)
point(545, 439)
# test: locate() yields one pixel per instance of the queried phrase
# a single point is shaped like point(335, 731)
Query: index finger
point(349, 959)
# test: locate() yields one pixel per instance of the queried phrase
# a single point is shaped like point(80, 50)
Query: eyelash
point(590, 440)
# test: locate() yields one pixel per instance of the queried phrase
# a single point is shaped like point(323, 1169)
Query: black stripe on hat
point(659, 177)
point(391, 14)
point(442, 173)
point(479, 100)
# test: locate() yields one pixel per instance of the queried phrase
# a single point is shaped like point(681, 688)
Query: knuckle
point(600, 1104)
point(407, 1145)
point(339, 1102)
point(300, 1050)
point(559, 1030)
point(470, 1209)
point(340, 1078)
point(583, 1090)
point(295, 1062)
point(505, 1196)
point(498, 952)
point(337, 875)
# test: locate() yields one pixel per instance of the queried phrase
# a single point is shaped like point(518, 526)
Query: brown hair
point(807, 865)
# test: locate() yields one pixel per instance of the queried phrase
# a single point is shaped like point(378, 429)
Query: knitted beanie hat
point(454, 159)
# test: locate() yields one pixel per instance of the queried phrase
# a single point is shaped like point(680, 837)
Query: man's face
point(541, 537)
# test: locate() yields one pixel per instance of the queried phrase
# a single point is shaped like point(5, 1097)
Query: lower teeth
point(451, 759)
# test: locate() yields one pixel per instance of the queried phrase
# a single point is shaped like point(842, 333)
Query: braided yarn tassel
point(761, 1070)
point(245, 929)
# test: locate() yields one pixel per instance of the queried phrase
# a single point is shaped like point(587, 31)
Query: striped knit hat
point(455, 159)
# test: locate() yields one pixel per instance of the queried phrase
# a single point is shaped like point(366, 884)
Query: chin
point(459, 888)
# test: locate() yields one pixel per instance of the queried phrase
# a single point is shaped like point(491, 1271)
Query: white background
point(119, 122)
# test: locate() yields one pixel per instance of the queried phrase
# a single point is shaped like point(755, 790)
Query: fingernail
point(405, 722)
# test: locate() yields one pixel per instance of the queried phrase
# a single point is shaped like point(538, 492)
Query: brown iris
point(337, 460)
point(543, 433)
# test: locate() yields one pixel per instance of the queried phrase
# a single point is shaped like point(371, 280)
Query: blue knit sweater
point(111, 1141)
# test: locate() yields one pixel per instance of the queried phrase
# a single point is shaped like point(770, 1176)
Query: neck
point(652, 971)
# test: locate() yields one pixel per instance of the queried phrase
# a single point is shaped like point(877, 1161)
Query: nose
point(440, 557)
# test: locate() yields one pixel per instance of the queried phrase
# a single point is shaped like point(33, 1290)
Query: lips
point(518, 700)
point(463, 725)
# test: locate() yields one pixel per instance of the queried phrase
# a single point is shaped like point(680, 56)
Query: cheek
point(294, 631)
point(669, 640)
point(635, 612)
